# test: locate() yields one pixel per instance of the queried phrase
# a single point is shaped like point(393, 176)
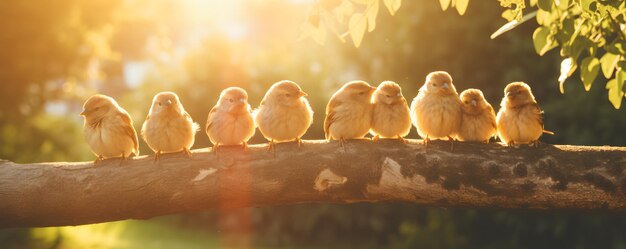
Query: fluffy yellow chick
point(230, 121)
point(168, 127)
point(478, 123)
point(519, 120)
point(108, 128)
point(391, 117)
point(284, 113)
point(436, 110)
point(349, 112)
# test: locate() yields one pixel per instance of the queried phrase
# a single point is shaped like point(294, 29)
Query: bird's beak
point(372, 89)
point(473, 102)
point(399, 95)
point(302, 94)
point(243, 101)
point(168, 102)
point(83, 113)
point(509, 94)
point(445, 86)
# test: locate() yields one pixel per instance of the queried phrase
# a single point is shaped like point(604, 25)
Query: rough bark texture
point(473, 175)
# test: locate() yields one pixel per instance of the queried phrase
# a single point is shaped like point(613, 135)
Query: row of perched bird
point(284, 114)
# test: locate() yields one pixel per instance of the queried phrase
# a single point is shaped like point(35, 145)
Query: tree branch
point(473, 175)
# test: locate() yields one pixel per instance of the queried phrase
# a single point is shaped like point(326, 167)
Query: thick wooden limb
point(474, 175)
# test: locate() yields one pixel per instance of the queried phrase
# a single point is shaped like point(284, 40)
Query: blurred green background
point(55, 54)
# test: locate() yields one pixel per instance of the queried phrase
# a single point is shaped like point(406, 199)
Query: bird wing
point(208, 121)
point(538, 113)
point(330, 116)
point(493, 121)
point(129, 130)
point(194, 126)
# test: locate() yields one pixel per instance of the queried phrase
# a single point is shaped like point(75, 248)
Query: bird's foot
point(122, 159)
point(244, 146)
point(404, 141)
point(376, 138)
point(451, 139)
point(271, 147)
point(299, 142)
point(426, 141)
point(187, 152)
point(342, 143)
point(157, 156)
point(214, 150)
point(98, 159)
point(510, 143)
point(534, 144)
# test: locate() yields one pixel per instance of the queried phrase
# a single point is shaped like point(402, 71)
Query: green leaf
point(461, 6)
point(616, 94)
point(568, 66)
point(586, 4)
point(589, 69)
point(508, 14)
point(357, 26)
point(608, 63)
point(394, 5)
point(542, 41)
point(545, 4)
point(372, 12)
point(444, 4)
point(330, 4)
point(544, 17)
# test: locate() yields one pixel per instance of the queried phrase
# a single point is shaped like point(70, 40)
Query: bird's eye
point(387, 95)
point(519, 92)
point(435, 84)
point(159, 103)
point(97, 108)
point(287, 95)
point(230, 100)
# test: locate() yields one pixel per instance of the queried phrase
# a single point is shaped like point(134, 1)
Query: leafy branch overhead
point(590, 33)
point(344, 18)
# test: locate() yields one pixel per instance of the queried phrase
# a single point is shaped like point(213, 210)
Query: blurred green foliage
point(56, 55)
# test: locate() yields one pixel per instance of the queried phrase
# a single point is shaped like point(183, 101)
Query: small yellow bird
point(108, 129)
point(519, 120)
point(436, 110)
point(168, 127)
point(284, 113)
point(391, 117)
point(230, 121)
point(478, 123)
point(349, 112)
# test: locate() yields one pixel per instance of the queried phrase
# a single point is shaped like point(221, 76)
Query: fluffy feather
point(284, 113)
point(391, 117)
point(519, 120)
point(230, 121)
point(168, 127)
point(349, 112)
point(108, 128)
point(436, 110)
point(478, 122)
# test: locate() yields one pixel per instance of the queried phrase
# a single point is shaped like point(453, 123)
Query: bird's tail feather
point(195, 127)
